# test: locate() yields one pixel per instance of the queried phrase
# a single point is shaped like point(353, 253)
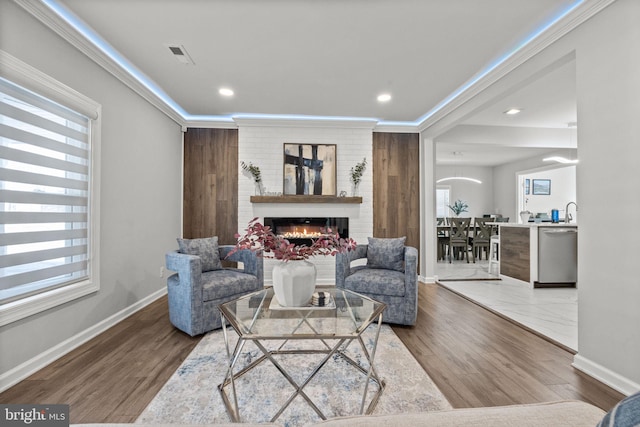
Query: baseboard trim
point(24, 370)
point(425, 279)
point(604, 375)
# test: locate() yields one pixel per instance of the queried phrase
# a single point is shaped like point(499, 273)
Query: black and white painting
point(310, 169)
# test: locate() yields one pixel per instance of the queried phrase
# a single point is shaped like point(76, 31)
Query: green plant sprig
point(458, 207)
point(357, 171)
point(253, 170)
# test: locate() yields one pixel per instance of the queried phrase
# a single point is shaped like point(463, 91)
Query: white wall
point(505, 191)
point(608, 82)
point(479, 197)
point(608, 79)
point(263, 146)
point(140, 195)
point(563, 191)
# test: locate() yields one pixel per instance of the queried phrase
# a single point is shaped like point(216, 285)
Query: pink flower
point(261, 238)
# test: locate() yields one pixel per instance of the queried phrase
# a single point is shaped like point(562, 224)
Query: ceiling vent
point(180, 53)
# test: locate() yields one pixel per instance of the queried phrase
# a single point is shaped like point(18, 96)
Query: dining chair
point(443, 238)
point(459, 237)
point(481, 237)
point(493, 253)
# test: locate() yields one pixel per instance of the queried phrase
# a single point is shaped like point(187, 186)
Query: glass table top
point(258, 315)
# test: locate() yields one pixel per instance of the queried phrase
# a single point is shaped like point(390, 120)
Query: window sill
point(26, 307)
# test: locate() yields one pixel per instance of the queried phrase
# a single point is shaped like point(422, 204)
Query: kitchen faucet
point(567, 215)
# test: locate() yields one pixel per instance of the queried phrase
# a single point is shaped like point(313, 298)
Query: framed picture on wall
point(527, 186)
point(309, 169)
point(541, 187)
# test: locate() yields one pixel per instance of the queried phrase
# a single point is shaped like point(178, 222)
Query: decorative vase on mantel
point(294, 282)
point(354, 189)
point(259, 188)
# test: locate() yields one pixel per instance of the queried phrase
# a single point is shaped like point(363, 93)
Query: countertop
point(535, 224)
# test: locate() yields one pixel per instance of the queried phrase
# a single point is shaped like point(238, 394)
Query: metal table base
point(230, 398)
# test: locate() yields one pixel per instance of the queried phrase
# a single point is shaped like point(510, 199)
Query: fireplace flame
point(301, 234)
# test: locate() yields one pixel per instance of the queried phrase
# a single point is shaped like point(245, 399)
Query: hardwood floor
point(114, 376)
point(479, 359)
point(475, 357)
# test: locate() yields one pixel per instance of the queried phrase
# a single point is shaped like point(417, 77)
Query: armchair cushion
point(222, 283)
point(206, 249)
point(386, 253)
point(376, 281)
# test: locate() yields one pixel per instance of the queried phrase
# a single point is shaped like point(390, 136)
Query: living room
point(140, 174)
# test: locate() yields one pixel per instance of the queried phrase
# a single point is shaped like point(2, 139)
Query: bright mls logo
point(34, 415)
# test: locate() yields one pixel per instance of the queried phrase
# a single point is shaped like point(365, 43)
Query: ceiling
point(322, 58)
point(331, 59)
point(547, 122)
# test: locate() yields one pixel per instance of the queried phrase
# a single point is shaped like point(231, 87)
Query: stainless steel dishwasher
point(557, 256)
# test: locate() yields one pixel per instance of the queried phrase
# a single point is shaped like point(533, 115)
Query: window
point(46, 210)
point(442, 201)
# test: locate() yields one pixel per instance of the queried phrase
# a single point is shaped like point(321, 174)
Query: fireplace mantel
point(304, 199)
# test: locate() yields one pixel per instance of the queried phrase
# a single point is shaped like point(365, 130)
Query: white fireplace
point(262, 145)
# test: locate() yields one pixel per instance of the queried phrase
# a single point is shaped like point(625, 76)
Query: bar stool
point(494, 248)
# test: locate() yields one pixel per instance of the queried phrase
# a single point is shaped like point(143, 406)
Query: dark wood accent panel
point(304, 199)
point(515, 252)
point(211, 184)
point(475, 357)
point(396, 186)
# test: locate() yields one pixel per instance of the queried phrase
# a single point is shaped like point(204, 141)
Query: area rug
point(191, 395)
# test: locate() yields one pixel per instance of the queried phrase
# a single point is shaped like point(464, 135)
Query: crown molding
point(48, 17)
point(576, 17)
point(580, 14)
point(321, 122)
point(210, 124)
point(390, 128)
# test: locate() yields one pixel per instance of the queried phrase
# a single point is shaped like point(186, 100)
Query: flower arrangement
point(259, 237)
point(357, 171)
point(252, 170)
point(458, 207)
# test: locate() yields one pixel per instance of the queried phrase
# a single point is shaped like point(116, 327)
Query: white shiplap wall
point(263, 146)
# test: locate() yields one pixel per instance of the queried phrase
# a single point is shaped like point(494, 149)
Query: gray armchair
point(396, 287)
point(194, 295)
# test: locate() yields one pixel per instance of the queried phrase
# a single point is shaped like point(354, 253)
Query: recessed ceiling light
point(225, 91)
point(513, 111)
point(385, 97)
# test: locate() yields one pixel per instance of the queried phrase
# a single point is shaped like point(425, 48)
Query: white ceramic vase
point(294, 282)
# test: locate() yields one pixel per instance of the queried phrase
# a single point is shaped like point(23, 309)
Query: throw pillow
point(206, 249)
point(625, 414)
point(386, 253)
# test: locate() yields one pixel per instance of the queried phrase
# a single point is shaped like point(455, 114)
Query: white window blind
point(45, 172)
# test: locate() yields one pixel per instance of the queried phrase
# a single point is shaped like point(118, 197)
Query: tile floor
point(552, 312)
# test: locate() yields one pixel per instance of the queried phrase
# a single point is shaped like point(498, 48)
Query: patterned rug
point(191, 395)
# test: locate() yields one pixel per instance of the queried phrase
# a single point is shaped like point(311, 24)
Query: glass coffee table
point(258, 318)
